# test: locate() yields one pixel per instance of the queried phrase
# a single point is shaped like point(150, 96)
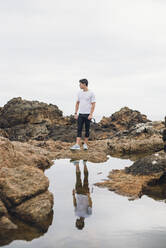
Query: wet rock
point(36, 211)
point(126, 184)
point(154, 163)
point(138, 179)
point(21, 183)
point(23, 232)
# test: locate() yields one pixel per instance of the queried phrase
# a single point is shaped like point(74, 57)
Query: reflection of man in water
point(81, 196)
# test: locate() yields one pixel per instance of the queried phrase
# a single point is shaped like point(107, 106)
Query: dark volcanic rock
point(148, 165)
point(23, 119)
point(18, 111)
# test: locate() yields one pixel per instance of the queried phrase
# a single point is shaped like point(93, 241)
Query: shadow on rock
point(23, 231)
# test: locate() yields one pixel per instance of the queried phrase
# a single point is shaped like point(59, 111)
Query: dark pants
point(83, 118)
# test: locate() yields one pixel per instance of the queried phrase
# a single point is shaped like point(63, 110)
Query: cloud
point(46, 47)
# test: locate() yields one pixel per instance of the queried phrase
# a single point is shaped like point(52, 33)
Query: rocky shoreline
point(33, 134)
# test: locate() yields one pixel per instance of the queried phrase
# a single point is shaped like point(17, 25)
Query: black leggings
point(83, 118)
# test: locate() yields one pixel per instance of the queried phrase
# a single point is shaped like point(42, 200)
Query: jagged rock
point(37, 211)
point(141, 138)
point(18, 111)
point(123, 119)
point(23, 119)
point(21, 183)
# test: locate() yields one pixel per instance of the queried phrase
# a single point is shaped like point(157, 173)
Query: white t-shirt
point(82, 208)
point(85, 98)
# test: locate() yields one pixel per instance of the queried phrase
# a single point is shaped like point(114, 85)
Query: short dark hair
point(84, 81)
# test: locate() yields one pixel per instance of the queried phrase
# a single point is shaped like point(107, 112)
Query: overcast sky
point(118, 45)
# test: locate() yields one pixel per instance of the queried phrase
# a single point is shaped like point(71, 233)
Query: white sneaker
point(75, 147)
point(85, 147)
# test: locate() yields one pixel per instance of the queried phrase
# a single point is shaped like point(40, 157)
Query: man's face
point(82, 86)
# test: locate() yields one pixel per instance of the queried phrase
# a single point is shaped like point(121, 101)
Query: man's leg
point(80, 123)
point(87, 128)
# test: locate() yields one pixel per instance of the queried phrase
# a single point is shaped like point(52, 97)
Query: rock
point(141, 138)
point(23, 119)
point(36, 211)
point(18, 111)
point(97, 151)
point(3, 210)
point(14, 154)
point(154, 163)
point(6, 224)
point(21, 183)
point(138, 179)
point(123, 119)
point(23, 232)
point(127, 184)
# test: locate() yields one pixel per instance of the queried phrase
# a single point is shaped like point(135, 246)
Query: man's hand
point(90, 117)
point(73, 192)
point(76, 116)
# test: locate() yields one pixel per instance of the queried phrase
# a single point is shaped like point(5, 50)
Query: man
point(86, 106)
point(81, 196)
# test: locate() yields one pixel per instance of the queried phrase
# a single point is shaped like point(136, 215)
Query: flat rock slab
point(127, 184)
point(21, 183)
point(37, 211)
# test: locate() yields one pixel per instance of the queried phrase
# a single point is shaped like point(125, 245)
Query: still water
point(114, 222)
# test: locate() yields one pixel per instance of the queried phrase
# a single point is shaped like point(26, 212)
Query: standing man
point(86, 105)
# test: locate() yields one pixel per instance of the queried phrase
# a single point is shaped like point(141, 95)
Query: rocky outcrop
point(123, 119)
point(23, 120)
point(141, 138)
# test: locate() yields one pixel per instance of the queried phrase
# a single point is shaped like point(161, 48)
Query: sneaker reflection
point(81, 196)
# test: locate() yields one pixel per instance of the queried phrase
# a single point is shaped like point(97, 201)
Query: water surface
point(115, 221)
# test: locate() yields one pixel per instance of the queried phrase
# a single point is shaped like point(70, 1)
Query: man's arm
point(92, 110)
point(74, 199)
point(76, 109)
point(89, 200)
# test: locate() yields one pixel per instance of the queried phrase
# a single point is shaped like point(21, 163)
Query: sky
point(118, 45)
